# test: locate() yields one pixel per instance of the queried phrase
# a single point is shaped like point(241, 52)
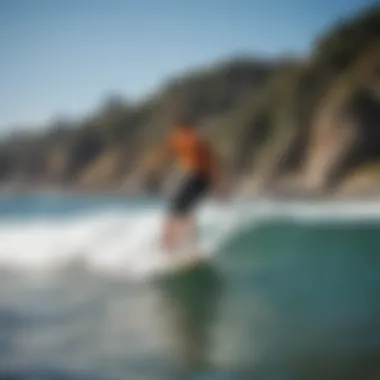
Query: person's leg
point(178, 231)
point(180, 226)
point(175, 213)
point(187, 229)
point(168, 233)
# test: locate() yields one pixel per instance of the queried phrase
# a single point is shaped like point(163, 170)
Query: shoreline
point(115, 191)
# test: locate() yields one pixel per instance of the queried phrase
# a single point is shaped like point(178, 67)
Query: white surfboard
point(160, 262)
point(181, 260)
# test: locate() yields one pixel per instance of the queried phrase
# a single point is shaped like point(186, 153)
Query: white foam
point(127, 241)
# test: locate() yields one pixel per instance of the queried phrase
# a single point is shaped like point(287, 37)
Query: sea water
point(291, 291)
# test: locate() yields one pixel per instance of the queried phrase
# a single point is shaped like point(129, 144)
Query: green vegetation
point(316, 119)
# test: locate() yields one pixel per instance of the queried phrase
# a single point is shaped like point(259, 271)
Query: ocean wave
point(126, 239)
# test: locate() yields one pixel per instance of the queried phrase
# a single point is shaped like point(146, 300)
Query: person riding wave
point(199, 164)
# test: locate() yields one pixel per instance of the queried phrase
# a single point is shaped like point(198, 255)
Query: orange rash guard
point(193, 153)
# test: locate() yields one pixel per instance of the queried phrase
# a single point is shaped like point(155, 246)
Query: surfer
point(199, 165)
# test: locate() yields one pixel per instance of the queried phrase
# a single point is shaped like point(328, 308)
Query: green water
point(282, 300)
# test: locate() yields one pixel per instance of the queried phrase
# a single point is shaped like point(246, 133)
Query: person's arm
point(147, 174)
point(156, 158)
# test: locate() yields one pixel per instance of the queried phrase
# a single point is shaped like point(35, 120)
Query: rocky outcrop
point(302, 126)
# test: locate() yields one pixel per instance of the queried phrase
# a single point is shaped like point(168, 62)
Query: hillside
point(309, 126)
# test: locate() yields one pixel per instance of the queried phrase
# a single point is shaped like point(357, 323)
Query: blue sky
point(61, 57)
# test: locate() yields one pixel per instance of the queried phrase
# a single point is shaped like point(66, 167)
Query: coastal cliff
point(309, 125)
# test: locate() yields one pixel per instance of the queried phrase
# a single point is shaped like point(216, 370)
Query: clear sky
point(60, 57)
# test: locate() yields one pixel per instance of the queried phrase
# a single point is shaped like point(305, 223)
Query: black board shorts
point(193, 188)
